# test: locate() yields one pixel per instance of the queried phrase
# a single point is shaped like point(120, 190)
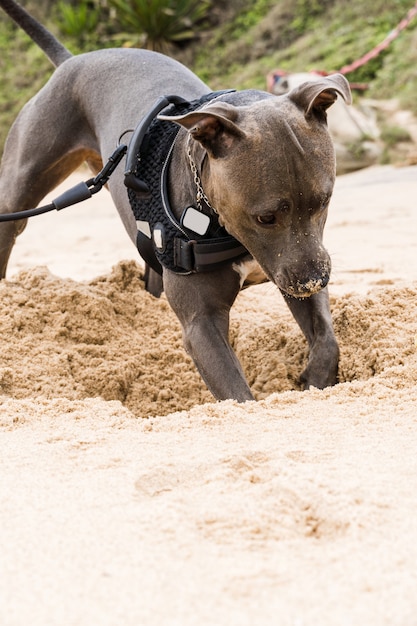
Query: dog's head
point(269, 172)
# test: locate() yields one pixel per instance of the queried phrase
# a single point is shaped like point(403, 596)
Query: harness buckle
point(184, 254)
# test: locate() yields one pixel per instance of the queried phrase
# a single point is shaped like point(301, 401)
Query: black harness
point(195, 243)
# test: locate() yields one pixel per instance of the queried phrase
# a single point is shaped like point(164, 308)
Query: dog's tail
point(54, 50)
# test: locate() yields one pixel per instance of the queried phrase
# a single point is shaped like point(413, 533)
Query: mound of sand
point(109, 338)
point(130, 497)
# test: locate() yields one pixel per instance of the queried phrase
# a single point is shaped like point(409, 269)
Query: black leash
point(78, 193)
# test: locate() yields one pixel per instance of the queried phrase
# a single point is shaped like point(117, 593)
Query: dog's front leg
point(202, 303)
point(313, 316)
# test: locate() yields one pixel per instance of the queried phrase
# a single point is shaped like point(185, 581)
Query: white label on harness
point(144, 228)
point(195, 220)
point(158, 238)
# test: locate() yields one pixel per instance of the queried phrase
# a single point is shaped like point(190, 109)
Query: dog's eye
point(266, 220)
point(275, 217)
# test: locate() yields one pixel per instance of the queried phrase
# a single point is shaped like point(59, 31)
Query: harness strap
point(205, 255)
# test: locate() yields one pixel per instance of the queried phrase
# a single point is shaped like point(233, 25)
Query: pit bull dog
point(264, 164)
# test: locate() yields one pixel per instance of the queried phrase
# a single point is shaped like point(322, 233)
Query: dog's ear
point(318, 95)
point(214, 127)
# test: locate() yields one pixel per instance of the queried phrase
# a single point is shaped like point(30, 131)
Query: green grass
point(23, 71)
point(257, 37)
point(327, 38)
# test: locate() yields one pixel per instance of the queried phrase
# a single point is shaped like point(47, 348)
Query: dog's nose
point(312, 285)
point(304, 288)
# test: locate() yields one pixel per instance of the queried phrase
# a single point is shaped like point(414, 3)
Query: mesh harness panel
point(161, 239)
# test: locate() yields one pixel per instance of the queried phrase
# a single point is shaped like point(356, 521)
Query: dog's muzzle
point(298, 287)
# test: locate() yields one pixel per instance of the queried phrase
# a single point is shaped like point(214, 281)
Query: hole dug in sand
point(108, 338)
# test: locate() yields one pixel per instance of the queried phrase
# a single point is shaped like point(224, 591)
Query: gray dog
point(246, 167)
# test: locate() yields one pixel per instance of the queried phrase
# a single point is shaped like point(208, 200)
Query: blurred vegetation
point(228, 43)
point(304, 35)
point(160, 24)
point(78, 21)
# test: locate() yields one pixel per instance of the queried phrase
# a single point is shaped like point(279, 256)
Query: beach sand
point(130, 497)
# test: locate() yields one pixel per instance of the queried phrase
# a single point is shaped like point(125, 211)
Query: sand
point(130, 497)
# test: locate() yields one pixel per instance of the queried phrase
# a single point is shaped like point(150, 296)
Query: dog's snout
point(303, 284)
point(308, 288)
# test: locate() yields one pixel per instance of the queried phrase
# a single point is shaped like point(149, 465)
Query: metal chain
point(200, 195)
